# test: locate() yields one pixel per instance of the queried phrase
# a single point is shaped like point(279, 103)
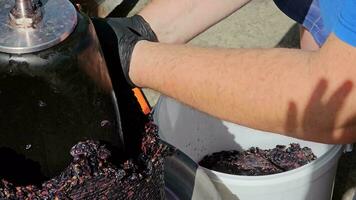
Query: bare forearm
point(278, 90)
point(178, 21)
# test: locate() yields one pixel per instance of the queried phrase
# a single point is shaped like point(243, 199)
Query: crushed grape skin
point(258, 162)
point(91, 176)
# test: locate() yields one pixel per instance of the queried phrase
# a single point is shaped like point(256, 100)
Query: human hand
point(127, 32)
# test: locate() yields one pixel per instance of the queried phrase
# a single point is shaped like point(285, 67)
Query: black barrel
point(52, 99)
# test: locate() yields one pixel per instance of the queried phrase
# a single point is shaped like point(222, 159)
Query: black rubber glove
point(127, 32)
point(138, 24)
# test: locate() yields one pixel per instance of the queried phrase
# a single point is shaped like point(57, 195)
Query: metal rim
point(58, 22)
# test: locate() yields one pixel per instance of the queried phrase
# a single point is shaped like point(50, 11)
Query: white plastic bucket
point(197, 134)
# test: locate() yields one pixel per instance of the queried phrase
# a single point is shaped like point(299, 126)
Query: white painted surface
point(198, 134)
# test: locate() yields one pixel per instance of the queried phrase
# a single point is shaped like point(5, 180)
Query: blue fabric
point(339, 17)
point(314, 23)
point(307, 13)
point(322, 17)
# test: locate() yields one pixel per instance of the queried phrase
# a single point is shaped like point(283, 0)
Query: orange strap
point(145, 106)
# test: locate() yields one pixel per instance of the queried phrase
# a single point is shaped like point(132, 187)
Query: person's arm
point(178, 21)
point(303, 94)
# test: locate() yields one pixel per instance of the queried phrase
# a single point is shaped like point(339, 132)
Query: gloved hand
point(127, 32)
point(138, 24)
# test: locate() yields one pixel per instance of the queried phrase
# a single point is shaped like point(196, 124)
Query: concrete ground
point(258, 24)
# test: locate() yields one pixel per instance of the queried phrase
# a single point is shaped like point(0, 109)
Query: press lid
point(28, 26)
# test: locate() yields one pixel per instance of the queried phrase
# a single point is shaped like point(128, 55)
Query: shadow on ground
point(291, 38)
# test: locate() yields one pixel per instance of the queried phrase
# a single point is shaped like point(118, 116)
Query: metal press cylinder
point(25, 14)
